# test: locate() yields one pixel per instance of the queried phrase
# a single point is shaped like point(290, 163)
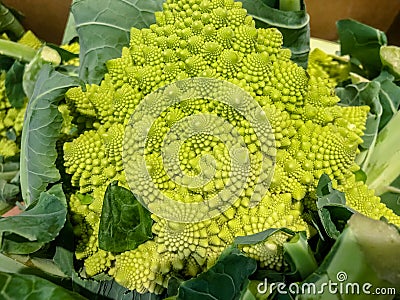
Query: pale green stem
point(384, 165)
point(290, 5)
point(18, 51)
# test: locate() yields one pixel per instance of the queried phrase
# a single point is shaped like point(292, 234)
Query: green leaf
point(6, 62)
point(40, 223)
point(40, 131)
point(225, 280)
point(44, 56)
point(28, 265)
point(93, 289)
point(18, 286)
point(362, 43)
point(8, 169)
point(327, 194)
point(294, 25)
point(7, 190)
point(10, 265)
point(64, 254)
point(102, 35)
point(64, 54)
point(70, 30)
point(392, 197)
point(15, 244)
point(389, 98)
point(47, 265)
point(360, 175)
point(332, 210)
point(173, 286)
point(260, 236)
point(392, 201)
point(390, 56)
point(124, 222)
point(14, 90)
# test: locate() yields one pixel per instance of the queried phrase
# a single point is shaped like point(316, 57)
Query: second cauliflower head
point(313, 135)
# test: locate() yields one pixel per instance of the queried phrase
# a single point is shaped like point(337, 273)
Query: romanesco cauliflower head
point(212, 39)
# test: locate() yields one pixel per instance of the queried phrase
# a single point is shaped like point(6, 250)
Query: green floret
point(139, 270)
point(8, 148)
point(214, 39)
point(329, 67)
point(270, 252)
point(85, 219)
point(94, 158)
point(98, 262)
point(29, 39)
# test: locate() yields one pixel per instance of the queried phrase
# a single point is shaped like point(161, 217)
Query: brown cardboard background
point(376, 13)
point(47, 18)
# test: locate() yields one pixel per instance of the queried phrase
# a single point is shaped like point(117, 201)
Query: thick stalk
point(363, 259)
point(301, 255)
point(290, 5)
point(18, 51)
point(383, 166)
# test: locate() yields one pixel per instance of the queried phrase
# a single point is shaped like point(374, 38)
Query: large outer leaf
point(294, 25)
point(103, 28)
point(18, 286)
point(41, 129)
point(39, 224)
point(362, 43)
